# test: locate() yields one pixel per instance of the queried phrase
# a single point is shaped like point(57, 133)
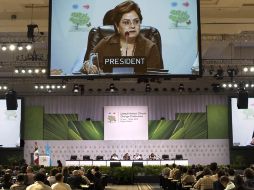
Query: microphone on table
point(126, 41)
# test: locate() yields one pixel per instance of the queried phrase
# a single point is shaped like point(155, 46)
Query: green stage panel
point(56, 126)
point(161, 129)
point(85, 130)
point(217, 119)
point(33, 123)
point(190, 126)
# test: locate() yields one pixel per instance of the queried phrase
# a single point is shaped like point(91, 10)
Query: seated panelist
point(152, 156)
point(114, 157)
point(126, 156)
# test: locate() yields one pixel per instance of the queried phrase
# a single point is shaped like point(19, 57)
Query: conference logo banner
point(125, 123)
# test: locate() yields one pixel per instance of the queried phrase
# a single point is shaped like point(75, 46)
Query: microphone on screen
point(126, 41)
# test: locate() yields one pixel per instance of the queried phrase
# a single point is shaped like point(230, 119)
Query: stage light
point(41, 87)
point(245, 69)
point(63, 86)
point(12, 47)
point(252, 69)
point(224, 85)
point(53, 86)
point(148, 88)
point(28, 47)
point(235, 85)
point(16, 71)
point(30, 71)
point(36, 86)
point(181, 88)
point(230, 85)
point(43, 71)
point(20, 47)
point(47, 86)
point(23, 71)
point(58, 86)
point(36, 71)
point(112, 88)
point(75, 88)
point(4, 48)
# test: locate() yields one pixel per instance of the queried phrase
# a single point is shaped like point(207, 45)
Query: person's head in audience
point(248, 173)
point(65, 171)
point(213, 167)
point(190, 171)
point(231, 172)
point(29, 169)
point(39, 177)
point(174, 165)
point(207, 171)
point(75, 172)
point(224, 180)
point(220, 173)
point(20, 178)
point(238, 180)
point(53, 171)
point(42, 170)
point(59, 177)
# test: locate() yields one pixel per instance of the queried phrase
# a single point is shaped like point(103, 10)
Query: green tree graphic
point(79, 19)
point(178, 16)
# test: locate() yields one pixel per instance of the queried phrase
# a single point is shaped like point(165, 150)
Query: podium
point(44, 160)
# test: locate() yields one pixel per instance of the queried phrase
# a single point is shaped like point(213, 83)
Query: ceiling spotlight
point(36, 86)
point(235, 85)
point(245, 69)
point(148, 88)
point(12, 47)
point(75, 88)
point(28, 46)
point(63, 86)
point(36, 71)
point(181, 88)
point(47, 86)
point(16, 71)
point(20, 47)
point(252, 69)
point(30, 71)
point(23, 71)
point(43, 71)
point(53, 86)
point(112, 88)
point(4, 48)
point(224, 85)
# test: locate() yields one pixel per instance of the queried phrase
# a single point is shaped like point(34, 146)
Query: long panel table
point(125, 162)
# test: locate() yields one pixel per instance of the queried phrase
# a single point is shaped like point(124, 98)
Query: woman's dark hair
point(125, 7)
point(248, 173)
point(59, 176)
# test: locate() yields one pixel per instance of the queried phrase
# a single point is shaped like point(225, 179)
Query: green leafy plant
point(79, 19)
point(178, 16)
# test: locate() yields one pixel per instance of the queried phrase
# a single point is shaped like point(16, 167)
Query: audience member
point(166, 171)
point(228, 185)
point(206, 182)
point(75, 180)
point(249, 178)
point(189, 178)
point(19, 184)
point(217, 184)
point(52, 178)
point(60, 185)
point(39, 179)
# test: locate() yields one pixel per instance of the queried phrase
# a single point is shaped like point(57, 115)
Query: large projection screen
point(125, 123)
point(10, 125)
point(177, 23)
point(242, 124)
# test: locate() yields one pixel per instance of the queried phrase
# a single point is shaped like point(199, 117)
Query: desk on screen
point(125, 162)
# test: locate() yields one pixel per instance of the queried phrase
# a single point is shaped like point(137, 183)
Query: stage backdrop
point(189, 127)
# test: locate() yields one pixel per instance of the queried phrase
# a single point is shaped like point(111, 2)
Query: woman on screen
point(127, 40)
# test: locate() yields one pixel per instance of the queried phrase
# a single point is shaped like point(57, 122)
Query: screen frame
point(21, 140)
point(231, 145)
point(135, 76)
